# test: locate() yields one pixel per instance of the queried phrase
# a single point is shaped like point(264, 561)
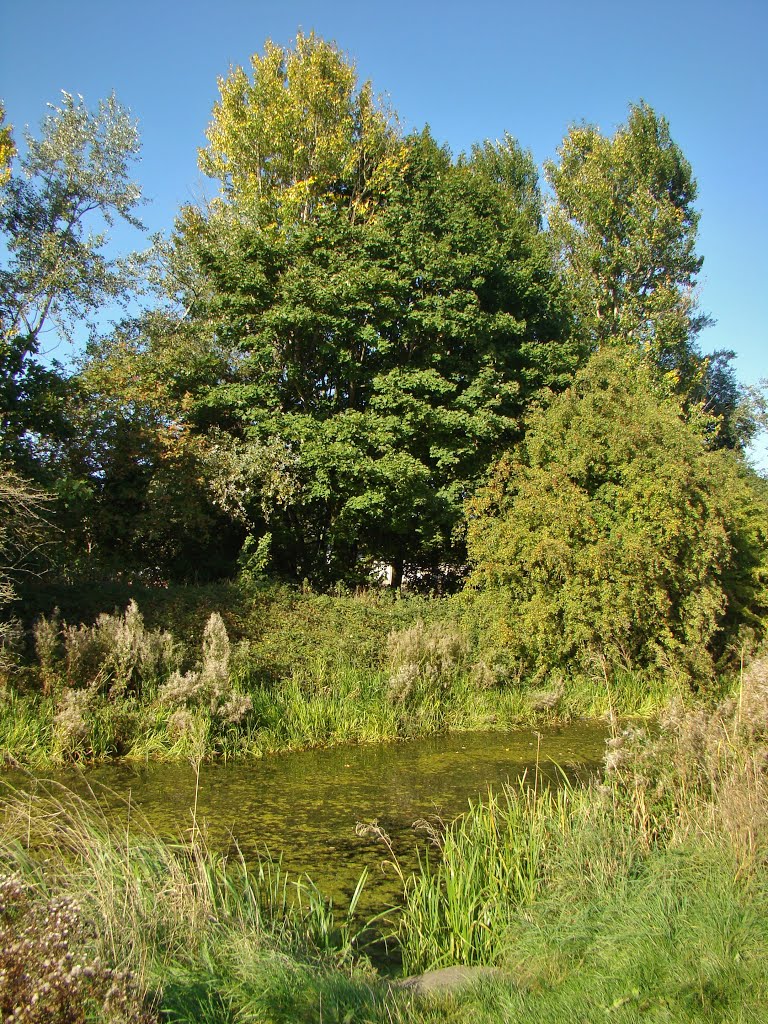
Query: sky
point(470, 70)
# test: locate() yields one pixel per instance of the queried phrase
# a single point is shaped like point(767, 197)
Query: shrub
point(702, 772)
point(204, 700)
point(72, 724)
point(612, 528)
point(116, 655)
point(48, 647)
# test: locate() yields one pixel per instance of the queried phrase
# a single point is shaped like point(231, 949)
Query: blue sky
point(470, 70)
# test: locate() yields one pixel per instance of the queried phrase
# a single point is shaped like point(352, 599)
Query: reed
point(640, 897)
point(484, 868)
point(227, 672)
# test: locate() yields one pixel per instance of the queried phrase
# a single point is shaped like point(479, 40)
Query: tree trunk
point(397, 574)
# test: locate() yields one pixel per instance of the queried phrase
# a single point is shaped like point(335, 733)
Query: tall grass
point(668, 850)
point(675, 939)
point(221, 672)
point(487, 865)
point(167, 915)
point(642, 897)
point(26, 729)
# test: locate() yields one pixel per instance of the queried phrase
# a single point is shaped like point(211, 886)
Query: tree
point(21, 505)
point(374, 363)
point(7, 147)
point(613, 531)
point(625, 223)
point(129, 478)
point(54, 218)
point(298, 131)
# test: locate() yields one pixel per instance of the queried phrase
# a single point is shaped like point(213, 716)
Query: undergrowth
point(271, 669)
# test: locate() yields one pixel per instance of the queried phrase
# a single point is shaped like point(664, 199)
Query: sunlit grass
point(172, 914)
point(643, 898)
point(484, 868)
point(308, 671)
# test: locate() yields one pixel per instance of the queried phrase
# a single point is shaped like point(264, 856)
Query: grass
point(292, 671)
point(643, 897)
point(486, 866)
point(176, 920)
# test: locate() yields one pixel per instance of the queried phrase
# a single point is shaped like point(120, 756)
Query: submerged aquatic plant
point(149, 906)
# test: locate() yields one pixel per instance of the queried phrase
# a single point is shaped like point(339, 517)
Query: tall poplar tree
point(296, 130)
point(625, 223)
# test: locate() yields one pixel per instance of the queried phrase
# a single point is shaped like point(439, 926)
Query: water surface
point(304, 807)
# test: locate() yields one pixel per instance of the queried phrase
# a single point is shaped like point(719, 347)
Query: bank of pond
point(603, 874)
point(276, 810)
point(285, 672)
point(309, 809)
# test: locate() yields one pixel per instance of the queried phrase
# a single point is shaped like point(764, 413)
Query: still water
point(303, 807)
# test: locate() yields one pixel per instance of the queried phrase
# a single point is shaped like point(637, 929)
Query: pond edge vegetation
point(642, 895)
point(368, 352)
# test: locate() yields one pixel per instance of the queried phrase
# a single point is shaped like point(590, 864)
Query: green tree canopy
point(613, 531)
point(625, 225)
point(7, 147)
point(373, 365)
point(624, 221)
point(298, 130)
point(359, 322)
point(54, 218)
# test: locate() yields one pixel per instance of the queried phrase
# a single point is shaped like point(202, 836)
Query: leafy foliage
point(366, 368)
point(626, 224)
point(132, 498)
point(300, 130)
point(7, 147)
point(54, 217)
point(615, 533)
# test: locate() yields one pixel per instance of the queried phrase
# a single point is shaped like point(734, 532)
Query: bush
point(48, 974)
point(613, 530)
point(423, 658)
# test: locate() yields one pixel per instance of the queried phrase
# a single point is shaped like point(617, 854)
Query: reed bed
point(482, 870)
point(642, 896)
point(163, 916)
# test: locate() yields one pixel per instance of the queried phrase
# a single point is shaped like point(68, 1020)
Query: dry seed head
point(216, 650)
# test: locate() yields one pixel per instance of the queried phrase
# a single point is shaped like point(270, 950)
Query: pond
point(303, 807)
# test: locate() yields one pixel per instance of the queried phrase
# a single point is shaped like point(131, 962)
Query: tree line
point(367, 350)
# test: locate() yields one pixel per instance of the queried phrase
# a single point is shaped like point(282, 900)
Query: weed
point(49, 973)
